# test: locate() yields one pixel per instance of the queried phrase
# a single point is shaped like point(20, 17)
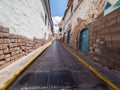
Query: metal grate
point(52, 79)
point(62, 78)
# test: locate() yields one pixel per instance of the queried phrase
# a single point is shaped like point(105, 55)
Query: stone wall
point(105, 33)
point(14, 46)
point(104, 38)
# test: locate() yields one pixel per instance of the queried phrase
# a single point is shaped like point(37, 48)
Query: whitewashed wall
point(24, 17)
point(80, 12)
point(84, 11)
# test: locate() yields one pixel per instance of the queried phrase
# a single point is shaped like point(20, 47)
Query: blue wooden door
point(84, 40)
point(68, 39)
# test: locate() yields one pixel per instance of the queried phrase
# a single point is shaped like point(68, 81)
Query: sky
point(57, 11)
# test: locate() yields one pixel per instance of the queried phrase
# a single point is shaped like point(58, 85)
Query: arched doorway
point(84, 40)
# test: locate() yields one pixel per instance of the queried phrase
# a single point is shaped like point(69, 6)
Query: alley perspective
point(59, 44)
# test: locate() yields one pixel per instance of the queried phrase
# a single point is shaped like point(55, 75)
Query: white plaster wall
point(75, 2)
point(80, 12)
point(24, 17)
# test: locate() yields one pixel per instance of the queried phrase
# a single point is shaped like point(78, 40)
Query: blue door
point(68, 39)
point(84, 40)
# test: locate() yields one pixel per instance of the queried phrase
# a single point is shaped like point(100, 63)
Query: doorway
point(84, 40)
point(68, 39)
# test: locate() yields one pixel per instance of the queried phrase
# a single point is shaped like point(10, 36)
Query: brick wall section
point(13, 46)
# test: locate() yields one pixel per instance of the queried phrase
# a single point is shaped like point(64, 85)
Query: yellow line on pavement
point(9, 82)
point(106, 80)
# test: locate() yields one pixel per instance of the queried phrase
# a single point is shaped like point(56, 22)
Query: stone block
point(11, 36)
point(20, 44)
point(1, 35)
point(111, 22)
point(12, 40)
point(3, 46)
point(2, 62)
point(7, 56)
point(117, 65)
point(95, 45)
point(7, 59)
point(4, 29)
point(12, 58)
point(19, 40)
point(1, 40)
point(97, 50)
point(1, 52)
point(11, 49)
point(6, 51)
point(2, 57)
point(111, 64)
point(113, 15)
point(104, 62)
point(5, 35)
point(6, 41)
point(118, 19)
point(13, 53)
point(11, 45)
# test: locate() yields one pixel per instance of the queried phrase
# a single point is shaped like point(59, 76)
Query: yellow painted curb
point(9, 82)
point(107, 81)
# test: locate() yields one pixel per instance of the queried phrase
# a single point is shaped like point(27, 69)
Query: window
point(108, 5)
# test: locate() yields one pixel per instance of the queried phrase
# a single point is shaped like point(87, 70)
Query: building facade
point(80, 11)
point(92, 26)
point(25, 25)
point(30, 18)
